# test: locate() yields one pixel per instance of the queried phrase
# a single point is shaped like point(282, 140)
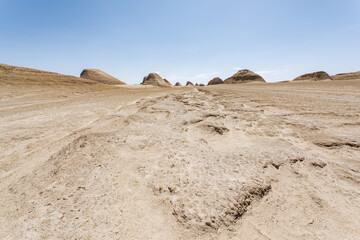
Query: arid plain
point(86, 160)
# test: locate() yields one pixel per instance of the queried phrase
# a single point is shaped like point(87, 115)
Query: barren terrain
point(82, 160)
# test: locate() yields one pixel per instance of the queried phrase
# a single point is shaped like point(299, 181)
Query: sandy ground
point(251, 161)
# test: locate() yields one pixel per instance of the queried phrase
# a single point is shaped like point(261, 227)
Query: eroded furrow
point(202, 159)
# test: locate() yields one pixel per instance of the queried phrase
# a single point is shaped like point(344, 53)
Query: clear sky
point(182, 40)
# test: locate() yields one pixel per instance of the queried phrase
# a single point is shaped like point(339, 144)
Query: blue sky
point(184, 40)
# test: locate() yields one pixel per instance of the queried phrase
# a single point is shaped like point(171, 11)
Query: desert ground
point(85, 160)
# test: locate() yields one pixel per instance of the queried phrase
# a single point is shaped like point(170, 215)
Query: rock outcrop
point(188, 83)
point(315, 76)
point(155, 80)
point(167, 82)
point(215, 81)
point(178, 84)
point(100, 76)
point(243, 76)
point(347, 76)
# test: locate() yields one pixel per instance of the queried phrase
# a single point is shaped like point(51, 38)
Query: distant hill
point(100, 76)
point(347, 76)
point(155, 80)
point(215, 81)
point(315, 76)
point(28, 76)
point(243, 76)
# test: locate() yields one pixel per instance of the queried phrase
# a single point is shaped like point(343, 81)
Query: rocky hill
point(315, 76)
point(100, 76)
point(155, 80)
point(347, 76)
point(243, 76)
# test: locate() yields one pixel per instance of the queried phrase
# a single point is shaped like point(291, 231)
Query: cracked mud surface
point(276, 161)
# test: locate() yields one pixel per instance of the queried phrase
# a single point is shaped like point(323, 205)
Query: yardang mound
point(215, 81)
point(347, 76)
point(243, 76)
point(28, 76)
point(100, 76)
point(188, 83)
point(315, 76)
point(167, 82)
point(155, 80)
point(178, 84)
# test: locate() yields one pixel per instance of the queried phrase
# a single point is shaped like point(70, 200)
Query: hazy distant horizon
point(182, 41)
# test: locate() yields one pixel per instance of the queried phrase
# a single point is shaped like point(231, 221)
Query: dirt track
point(251, 161)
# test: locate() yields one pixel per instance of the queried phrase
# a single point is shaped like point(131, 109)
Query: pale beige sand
point(252, 161)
